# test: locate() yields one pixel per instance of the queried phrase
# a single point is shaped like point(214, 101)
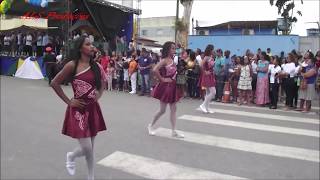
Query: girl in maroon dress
point(83, 118)
point(207, 78)
point(166, 91)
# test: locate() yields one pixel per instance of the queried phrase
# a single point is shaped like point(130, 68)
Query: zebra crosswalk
point(262, 127)
point(156, 169)
point(306, 159)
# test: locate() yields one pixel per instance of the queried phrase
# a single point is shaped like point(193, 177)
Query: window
point(144, 32)
point(202, 33)
point(159, 32)
point(248, 32)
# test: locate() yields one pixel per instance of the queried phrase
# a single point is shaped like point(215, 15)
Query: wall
point(160, 29)
point(309, 42)
point(239, 31)
point(239, 44)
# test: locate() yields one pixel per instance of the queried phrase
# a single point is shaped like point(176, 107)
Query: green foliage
point(286, 9)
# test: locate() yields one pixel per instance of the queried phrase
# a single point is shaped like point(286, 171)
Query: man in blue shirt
point(219, 69)
point(144, 66)
point(227, 62)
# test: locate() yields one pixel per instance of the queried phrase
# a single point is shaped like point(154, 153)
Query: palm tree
point(182, 26)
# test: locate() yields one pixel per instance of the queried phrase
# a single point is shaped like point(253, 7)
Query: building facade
point(238, 44)
point(239, 28)
point(159, 29)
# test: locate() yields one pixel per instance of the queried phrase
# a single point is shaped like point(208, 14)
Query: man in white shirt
point(274, 72)
point(19, 43)
point(45, 40)
point(288, 73)
point(198, 56)
point(254, 66)
point(39, 45)
point(29, 44)
point(6, 43)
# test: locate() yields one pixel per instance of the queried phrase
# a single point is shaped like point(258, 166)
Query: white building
point(160, 29)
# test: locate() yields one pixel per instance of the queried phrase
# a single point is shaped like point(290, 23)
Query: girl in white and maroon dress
point(166, 91)
point(208, 78)
point(83, 118)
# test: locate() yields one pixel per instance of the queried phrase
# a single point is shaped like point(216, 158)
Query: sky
point(211, 12)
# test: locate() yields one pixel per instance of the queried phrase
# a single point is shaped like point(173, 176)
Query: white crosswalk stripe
point(151, 168)
point(251, 125)
point(264, 108)
point(242, 145)
point(266, 116)
point(257, 107)
point(155, 169)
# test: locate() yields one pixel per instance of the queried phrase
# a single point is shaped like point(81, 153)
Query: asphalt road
point(234, 142)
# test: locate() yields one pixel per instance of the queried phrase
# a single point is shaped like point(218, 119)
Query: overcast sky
point(211, 12)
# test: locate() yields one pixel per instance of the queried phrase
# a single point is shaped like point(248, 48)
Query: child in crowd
point(244, 84)
point(110, 74)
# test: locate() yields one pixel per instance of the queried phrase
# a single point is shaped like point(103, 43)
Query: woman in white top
point(274, 72)
point(254, 66)
point(288, 73)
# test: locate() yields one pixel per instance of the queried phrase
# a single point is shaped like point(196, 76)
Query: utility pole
point(177, 18)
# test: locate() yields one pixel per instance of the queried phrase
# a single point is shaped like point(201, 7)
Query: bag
point(303, 84)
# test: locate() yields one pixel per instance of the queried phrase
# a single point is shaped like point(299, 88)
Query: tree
point(286, 10)
point(182, 26)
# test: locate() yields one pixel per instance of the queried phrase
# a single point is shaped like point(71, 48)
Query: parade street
point(234, 142)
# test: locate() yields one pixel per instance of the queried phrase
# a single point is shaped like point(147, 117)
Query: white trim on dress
point(83, 71)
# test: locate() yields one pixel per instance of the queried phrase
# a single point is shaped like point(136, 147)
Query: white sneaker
point(209, 111)
point(203, 109)
point(70, 165)
point(151, 130)
point(177, 135)
point(132, 92)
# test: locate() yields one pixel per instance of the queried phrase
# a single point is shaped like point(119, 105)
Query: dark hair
point(277, 59)
point(242, 60)
point(227, 53)
point(266, 57)
point(198, 51)
point(188, 51)
point(268, 49)
point(291, 57)
point(311, 55)
point(76, 55)
point(220, 51)
point(208, 50)
point(166, 48)
point(138, 52)
point(192, 55)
